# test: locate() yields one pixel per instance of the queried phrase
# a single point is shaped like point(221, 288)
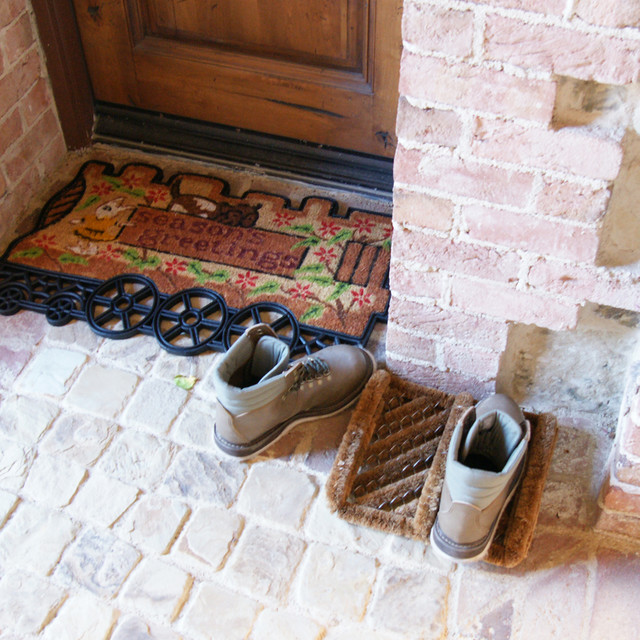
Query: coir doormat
point(389, 470)
point(192, 264)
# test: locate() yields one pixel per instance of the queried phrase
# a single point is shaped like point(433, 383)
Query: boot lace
point(309, 369)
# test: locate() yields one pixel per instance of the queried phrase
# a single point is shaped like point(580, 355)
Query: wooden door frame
point(83, 121)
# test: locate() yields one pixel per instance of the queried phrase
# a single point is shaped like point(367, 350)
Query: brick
point(202, 476)
point(102, 390)
point(137, 458)
point(572, 201)
point(15, 461)
point(50, 372)
point(26, 419)
point(80, 617)
point(476, 87)
point(36, 102)
point(410, 345)
point(500, 301)
point(548, 7)
point(18, 38)
point(626, 470)
point(22, 156)
point(428, 126)
point(568, 149)
point(10, 10)
point(422, 210)
point(456, 256)
point(285, 625)
point(264, 561)
point(27, 602)
point(581, 282)
point(155, 405)
point(618, 524)
point(438, 30)
point(530, 233)
point(10, 130)
point(587, 56)
point(279, 495)
point(157, 589)
point(453, 176)
point(609, 13)
point(615, 498)
point(97, 561)
point(215, 612)
point(447, 381)
point(129, 627)
point(52, 481)
point(431, 319)
point(153, 523)
point(410, 602)
point(615, 612)
point(18, 81)
point(34, 538)
point(463, 358)
point(206, 545)
point(335, 583)
point(410, 281)
point(556, 604)
point(630, 436)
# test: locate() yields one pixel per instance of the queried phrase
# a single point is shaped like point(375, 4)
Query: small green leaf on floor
point(185, 382)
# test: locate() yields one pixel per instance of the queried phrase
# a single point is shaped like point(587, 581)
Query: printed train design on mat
point(329, 267)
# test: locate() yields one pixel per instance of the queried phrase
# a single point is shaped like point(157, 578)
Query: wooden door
point(324, 71)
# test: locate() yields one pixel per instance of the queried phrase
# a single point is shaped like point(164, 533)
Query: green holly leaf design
point(341, 287)
point(33, 252)
point(314, 311)
point(268, 287)
point(311, 268)
point(323, 281)
point(312, 241)
point(301, 228)
point(91, 200)
point(341, 236)
point(70, 258)
point(387, 244)
point(132, 256)
point(202, 276)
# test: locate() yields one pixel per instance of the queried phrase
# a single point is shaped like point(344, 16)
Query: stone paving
point(119, 519)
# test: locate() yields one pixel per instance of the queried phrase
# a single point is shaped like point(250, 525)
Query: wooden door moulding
point(60, 39)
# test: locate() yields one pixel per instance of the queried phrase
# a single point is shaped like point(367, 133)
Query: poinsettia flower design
point(302, 291)
point(387, 231)
point(246, 280)
point(363, 225)
point(46, 242)
point(101, 189)
point(132, 180)
point(328, 228)
point(282, 218)
point(110, 252)
point(176, 266)
point(156, 195)
point(361, 297)
point(325, 255)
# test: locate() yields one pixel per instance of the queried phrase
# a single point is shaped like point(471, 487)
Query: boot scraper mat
point(389, 470)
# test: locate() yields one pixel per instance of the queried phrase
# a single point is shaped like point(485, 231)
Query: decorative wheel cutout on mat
point(11, 297)
point(281, 319)
point(119, 307)
point(60, 308)
point(189, 321)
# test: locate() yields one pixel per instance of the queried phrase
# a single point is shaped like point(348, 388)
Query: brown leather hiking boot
point(261, 395)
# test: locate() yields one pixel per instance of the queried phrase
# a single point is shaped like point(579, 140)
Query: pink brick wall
point(31, 142)
point(499, 209)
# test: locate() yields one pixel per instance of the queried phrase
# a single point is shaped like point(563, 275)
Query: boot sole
point(244, 452)
point(442, 553)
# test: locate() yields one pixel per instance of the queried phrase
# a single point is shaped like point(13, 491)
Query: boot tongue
point(490, 442)
point(270, 358)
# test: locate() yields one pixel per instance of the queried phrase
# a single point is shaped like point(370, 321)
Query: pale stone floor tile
point(266, 556)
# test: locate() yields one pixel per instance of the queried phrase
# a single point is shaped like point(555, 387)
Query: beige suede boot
point(261, 395)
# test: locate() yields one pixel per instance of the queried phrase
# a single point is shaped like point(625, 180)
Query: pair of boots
point(261, 395)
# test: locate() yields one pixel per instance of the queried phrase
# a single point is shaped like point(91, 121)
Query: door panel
point(325, 71)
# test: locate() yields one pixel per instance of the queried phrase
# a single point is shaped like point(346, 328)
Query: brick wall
point(504, 173)
point(31, 142)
